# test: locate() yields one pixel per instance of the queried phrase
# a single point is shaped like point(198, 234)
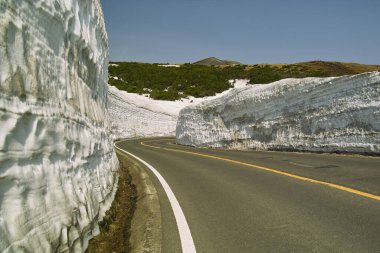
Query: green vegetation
point(171, 83)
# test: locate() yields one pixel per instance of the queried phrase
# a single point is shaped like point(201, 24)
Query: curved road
point(251, 201)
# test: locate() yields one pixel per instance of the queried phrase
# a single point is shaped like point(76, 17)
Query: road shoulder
point(133, 223)
point(146, 223)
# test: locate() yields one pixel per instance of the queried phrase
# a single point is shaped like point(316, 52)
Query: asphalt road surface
point(253, 201)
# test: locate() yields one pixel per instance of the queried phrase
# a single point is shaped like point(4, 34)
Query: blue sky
point(249, 31)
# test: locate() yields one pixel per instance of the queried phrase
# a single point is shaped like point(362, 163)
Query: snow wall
point(137, 116)
point(57, 163)
point(312, 114)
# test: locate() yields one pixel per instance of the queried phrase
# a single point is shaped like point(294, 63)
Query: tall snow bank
point(57, 164)
point(135, 115)
point(311, 114)
point(138, 116)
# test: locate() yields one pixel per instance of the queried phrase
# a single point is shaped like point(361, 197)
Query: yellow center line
point(336, 186)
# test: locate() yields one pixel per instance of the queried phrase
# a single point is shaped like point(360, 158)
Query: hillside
point(339, 68)
point(172, 83)
point(213, 61)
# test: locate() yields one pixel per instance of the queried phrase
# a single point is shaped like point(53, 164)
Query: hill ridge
point(213, 61)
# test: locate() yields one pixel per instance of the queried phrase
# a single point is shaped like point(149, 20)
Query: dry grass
point(115, 227)
point(340, 68)
point(332, 68)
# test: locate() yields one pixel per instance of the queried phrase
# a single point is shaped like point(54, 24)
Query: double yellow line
point(336, 186)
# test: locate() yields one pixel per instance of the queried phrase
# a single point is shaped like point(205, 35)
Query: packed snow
point(57, 163)
point(340, 114)
point(136, 115)
point(170, 65)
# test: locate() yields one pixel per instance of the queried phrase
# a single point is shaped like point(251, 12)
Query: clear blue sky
point(249, 31)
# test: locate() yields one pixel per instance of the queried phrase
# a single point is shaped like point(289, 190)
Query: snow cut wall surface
point(138, 116)
point(57, 164)
point(135, 115)
point(312, 114)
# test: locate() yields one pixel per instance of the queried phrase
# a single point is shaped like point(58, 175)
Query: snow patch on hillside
point(136, 115)
point(57, 163)
point(310, 114)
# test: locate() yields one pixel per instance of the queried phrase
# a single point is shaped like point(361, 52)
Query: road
point(255, 201)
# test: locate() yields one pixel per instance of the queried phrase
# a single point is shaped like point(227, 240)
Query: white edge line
point(183, 228)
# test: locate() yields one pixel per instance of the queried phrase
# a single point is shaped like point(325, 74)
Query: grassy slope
point(170, 83)
point(339, 68)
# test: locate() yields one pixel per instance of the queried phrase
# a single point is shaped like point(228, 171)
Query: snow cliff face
point(134, 115)
point(311, 114)
point(138, 116)
point(57, 164)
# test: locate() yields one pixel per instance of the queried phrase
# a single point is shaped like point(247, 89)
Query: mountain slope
point(213, 61)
